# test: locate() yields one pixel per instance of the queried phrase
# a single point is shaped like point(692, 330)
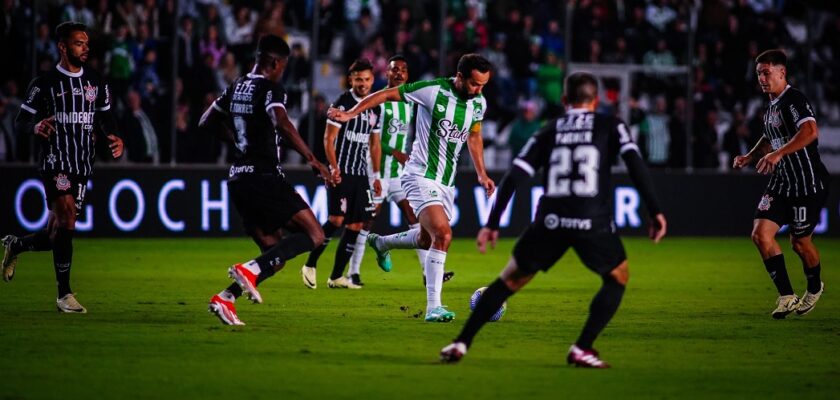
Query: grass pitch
point(694, 323)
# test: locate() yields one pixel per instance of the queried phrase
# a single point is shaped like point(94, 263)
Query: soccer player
point(798, 188)
point(64, 107)
point(395, 119)
point(576, 152)
point(252, 113)
point(449, 114)
point(348, 145)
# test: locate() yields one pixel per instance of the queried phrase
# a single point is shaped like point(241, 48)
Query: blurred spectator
point(148, 83)
point(550, 75)
point(212, 44)
point(677, 128)
point(296, 75)
point(77, 11)
point(656, 139)
point(553, 38)
point(141, 140)
point(660, 56)
point(315, 140)
point(739, 139)
point(120, 62)
point(471, 33)
point(104, 17)
point(705, 146)
point(359, 34)
point(44, 46)
point(271, 20)
point(143, 42)
point(523, 127)
point(8, 142)
point(660, 14)
point(240, 33)
point(620, 54)
point(227, 72)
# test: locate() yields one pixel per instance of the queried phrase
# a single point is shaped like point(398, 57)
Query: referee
point(64, 108)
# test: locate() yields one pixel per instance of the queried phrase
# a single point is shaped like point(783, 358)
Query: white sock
point(435, 261)
point(253, 267)
point(421, 253)
point(358, 253)
point(227, 295)
point(402, 240)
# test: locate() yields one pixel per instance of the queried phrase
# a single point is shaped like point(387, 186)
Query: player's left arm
point(798, 113)
point(282, 124)
point(640, 175)
point(373, 100)
point(375, 148)
point(476, 145)
point(106, 120)
point(806, 135)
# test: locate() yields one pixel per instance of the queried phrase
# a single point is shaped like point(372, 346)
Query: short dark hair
point(581, 87)
point(63, 30)
point(472, 61)
point(273, 45)
point(773, 57)
point(397, 57)
point(361, 64)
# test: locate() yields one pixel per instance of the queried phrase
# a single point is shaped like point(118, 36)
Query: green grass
point(694, 324)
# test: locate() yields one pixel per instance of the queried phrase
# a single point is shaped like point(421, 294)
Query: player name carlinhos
point(74, 117)
point(449, 131)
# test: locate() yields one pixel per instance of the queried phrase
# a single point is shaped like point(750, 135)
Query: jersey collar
point(254, 76)
point(776, 100)
point(68, 73)
point(357, 98)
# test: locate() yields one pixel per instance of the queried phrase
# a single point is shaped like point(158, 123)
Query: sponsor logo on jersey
point(477, 111)
point(775, 119)
point(243, 92)
point(580, 224)
point(61, 182)
point(794, 113)
point(395, 126)
point(448, 130)
point(77, 91)
point(372, 119)
point(389, 111)
point(764, 204)
point(241, 169)
point(357, 137)
point(551, 221)
point(441, 108)
point(343, 205)
point(51, 159)
point(90, 93)
point(74, 117)
point(32, 94)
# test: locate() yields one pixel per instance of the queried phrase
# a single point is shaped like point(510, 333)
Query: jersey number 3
point(563, 161)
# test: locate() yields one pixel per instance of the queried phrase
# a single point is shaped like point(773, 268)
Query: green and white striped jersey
point(394, 119)
point(444, 120)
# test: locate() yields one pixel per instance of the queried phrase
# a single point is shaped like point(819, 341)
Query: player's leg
point(806, 217)
point(604, 254)
point(511, 280)
point(333, 225)
point(422, 250)
point(64, 208)
point(354, 272)
point(764, 237)
point(36, 241)
point(435, 221)
point(343, 253)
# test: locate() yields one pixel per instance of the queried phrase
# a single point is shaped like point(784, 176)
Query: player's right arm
point(373, 100)
point(525, 165)
point(761, 148)
point(640, 175)
point(282, 124)
point(31, 116)
point(330, 133)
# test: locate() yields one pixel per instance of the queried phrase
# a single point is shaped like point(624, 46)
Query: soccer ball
point(474, 300)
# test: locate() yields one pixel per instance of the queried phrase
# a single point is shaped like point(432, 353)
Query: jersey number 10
point(586, 159)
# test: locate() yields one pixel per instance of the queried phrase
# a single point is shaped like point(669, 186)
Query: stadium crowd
point(154, 51)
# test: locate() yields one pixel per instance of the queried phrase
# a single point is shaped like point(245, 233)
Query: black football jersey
point(351, 144)
point(248, 102)
point(801, 173)
point(74, 99)
point(576, 153)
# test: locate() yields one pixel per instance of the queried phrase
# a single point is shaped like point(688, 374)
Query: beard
point(74, 60)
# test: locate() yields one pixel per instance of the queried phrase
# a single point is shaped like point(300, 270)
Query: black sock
point(778, 273)
point(492, 299)
point(813, 276)
point(62, 259)
point(601, 311)
point(38, 241)
point(345, 249)
point(314, 255)
point(286, 249)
